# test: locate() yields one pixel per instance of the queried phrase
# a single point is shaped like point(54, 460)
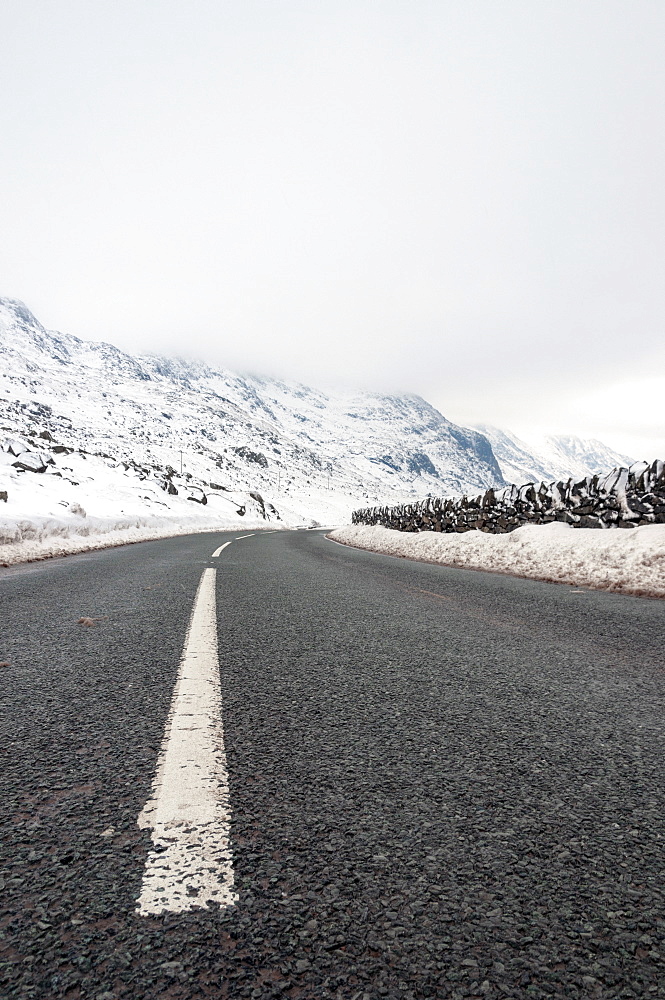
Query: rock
point(30, 461)
point(586, 521)
point(251, 456)
point(260, 502)
point(4, 495)
point(587, 508)
point(567, 517)
point(13, 446)
point(639, 508)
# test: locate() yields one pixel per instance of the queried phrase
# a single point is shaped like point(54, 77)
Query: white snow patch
point(630, 561)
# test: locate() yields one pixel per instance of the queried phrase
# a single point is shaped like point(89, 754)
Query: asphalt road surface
point(442, 783)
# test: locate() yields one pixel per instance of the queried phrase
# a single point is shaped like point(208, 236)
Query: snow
point(313, 455)
point(42, 538)
point(102, 436)
point(629, 561)
point(93, 504)
point(549, 458)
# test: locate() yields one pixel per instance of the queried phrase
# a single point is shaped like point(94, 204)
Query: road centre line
point(188, 812)
point(221, 548)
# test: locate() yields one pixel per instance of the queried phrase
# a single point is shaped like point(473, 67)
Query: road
point(441, 783)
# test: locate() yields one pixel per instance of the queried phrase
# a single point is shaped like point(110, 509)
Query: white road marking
point(221, 548)
point(188, 811)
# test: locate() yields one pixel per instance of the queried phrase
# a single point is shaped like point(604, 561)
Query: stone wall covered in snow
point(625, 498)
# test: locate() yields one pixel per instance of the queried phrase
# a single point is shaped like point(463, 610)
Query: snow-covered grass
point(629, 561)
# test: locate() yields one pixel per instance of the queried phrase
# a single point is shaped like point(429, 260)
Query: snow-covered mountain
point(550, 458)
point(307, 454)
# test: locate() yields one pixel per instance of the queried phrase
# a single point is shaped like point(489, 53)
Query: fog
point(463, 200)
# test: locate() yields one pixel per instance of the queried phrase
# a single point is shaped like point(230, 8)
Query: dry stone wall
point(624, 498)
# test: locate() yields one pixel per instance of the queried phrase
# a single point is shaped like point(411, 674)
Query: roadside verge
point(626, 561)
point(32, 538)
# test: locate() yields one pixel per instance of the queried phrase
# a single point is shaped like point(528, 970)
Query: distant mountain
point(311, 453)
point(552, 458)
point(583, 456)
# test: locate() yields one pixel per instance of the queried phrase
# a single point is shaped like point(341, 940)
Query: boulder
point(31, 461)
point(13, 446)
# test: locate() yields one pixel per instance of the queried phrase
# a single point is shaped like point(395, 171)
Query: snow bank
point(628, 561)
point(29, 539)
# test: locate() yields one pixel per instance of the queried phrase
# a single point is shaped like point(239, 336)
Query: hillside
point(143, 434)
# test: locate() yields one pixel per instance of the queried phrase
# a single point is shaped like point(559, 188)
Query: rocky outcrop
point(625, 498)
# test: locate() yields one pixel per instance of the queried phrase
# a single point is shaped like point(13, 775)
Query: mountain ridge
point(308, 450)
point(554, 457)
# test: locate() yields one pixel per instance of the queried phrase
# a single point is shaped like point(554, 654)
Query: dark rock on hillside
point(33, 461)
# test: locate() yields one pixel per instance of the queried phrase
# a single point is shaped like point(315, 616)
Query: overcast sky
point(462, 199)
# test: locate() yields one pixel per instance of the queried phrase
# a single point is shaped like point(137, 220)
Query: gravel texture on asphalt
point(444, 783)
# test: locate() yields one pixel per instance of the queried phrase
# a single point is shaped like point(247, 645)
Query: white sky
point(463, 199)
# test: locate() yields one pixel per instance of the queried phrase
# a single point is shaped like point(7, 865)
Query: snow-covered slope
point(582, 456)
point(550, 458)
point(117, 427)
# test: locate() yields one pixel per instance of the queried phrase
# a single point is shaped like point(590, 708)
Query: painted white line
point(221, 548)
point(188, 812)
